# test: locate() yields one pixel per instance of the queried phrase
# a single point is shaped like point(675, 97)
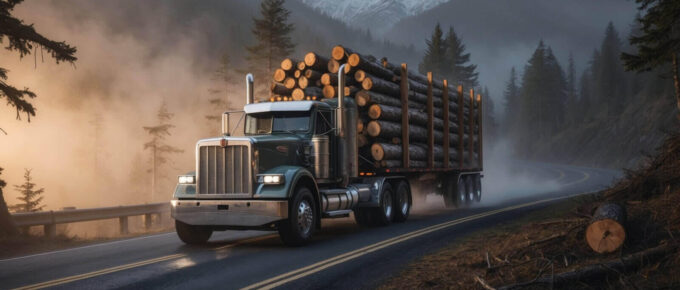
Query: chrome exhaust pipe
point(249, 89)
point(341, 100)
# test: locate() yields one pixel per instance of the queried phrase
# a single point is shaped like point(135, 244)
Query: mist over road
point(342, 255)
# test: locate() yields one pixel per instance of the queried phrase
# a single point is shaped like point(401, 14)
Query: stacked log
point(376, 86)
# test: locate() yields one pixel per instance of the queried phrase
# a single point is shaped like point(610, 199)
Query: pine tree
point(435, 53)
point(159, 149)
point(489, 119)
point(659, 43)
point(512, 104)
point(456, 67)
point(609, 77)
point(30, 197)
point(572, 108)
point(220, 102)
point(272, 32)
point(22, 38)
point(555, 93)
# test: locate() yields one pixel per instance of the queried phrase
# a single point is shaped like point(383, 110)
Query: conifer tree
point(219, 102)
point(30, 197)
point(609, 78)
point(435, 54)
point(512, 104)
point(22, 38)
point(659, 42)
point(272, 32)
point(159, 148)
point(457, 69)
point(572, 108)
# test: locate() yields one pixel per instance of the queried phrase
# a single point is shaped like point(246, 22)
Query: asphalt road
point(342, 255)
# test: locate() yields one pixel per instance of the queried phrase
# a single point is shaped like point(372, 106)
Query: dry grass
point(540, 246)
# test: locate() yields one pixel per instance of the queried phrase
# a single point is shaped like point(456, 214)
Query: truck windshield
point(266, 123)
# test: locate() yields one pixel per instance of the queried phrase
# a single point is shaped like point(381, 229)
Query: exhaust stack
point(249, 89)
point(340, 114)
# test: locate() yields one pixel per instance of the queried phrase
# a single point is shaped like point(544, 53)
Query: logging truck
point(285, 163)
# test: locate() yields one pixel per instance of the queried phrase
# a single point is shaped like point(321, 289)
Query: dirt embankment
point(547, 249)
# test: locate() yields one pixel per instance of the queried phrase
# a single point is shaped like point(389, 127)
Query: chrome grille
point(224, 170)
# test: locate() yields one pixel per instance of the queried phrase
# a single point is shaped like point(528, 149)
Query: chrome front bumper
point(246, 213)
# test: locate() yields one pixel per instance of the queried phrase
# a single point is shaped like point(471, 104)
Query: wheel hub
point(305, 217)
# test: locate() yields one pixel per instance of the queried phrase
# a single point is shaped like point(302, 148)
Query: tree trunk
point(300, 94)
point(606, 232)
point(365, 98)
point(676, 81)
point(379, 85)
point(390, 113)
point(328, 79)
point(370, 66)
point(312, 75)
point(280, 89)
point(315, 62)
point(7, 227)
point(399, 164)
point(386, 151)
point(387, 130)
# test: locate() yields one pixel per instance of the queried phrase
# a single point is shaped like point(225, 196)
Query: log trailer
point(299, 161)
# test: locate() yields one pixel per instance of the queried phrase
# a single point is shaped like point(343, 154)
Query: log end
point(326, 79)
point(298, 94)
point(377, 152)
point(374, 111)
point(297, 73)
point(353, 59)
point(303, 82)
point(367, 84)
point(359, 75)
point(362, 98)
point(279, 75)
point(287, 64)
point(338, 52)
point(373, 129)
point(333, 66)
point(289, 83)
point(301, 65)
point(329, 91)
point(605, 235)
point(310, 59)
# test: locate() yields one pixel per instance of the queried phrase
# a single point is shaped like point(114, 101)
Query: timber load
point(407, 120)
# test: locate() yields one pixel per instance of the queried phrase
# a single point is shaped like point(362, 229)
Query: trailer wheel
point(402, 202)
point(478, 187)
point(470, 189)
point(297, 230)
point(192, 235)
point(363, 217)
point(461, 192)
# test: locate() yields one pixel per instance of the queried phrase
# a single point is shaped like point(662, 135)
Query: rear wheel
point(402, 202)
point(192, 235)
point(461, 191)
point(382, 215)
point(478, 187)
point(297, 230)
point(470, 189)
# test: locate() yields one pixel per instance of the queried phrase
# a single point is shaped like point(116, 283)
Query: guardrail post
point(147, 221)
point(123, 225)
point(50, 230)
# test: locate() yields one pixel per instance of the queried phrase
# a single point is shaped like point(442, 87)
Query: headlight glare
point(187, 179)
point(271, 179)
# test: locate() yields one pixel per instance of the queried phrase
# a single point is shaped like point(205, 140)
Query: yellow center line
point(320, 266)
point(78, 277)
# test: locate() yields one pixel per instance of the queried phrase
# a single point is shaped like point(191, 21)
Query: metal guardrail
point(49, 219)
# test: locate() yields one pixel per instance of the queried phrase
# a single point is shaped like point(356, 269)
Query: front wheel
point(192, 235)
point(297, 230)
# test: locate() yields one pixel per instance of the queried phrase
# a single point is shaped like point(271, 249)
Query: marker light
point(271, 178)
point(187, 179)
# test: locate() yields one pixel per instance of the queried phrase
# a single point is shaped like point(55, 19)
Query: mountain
point(378, 16)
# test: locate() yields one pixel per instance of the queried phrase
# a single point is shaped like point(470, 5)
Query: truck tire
point(297, 230)
point(461, 192)
point(470, 189)
point(383, 214)
point(402, 202)
point(363, 217)
point(192, 235)
point(478, 187)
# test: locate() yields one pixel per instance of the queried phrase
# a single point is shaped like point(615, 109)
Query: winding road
point(342, 255)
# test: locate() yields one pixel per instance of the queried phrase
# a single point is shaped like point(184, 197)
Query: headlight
point(187, 179)
point(271, 178)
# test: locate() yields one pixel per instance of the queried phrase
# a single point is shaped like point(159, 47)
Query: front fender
point(292, 175)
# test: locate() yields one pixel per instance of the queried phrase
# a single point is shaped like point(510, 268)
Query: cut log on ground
point(606, 233)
